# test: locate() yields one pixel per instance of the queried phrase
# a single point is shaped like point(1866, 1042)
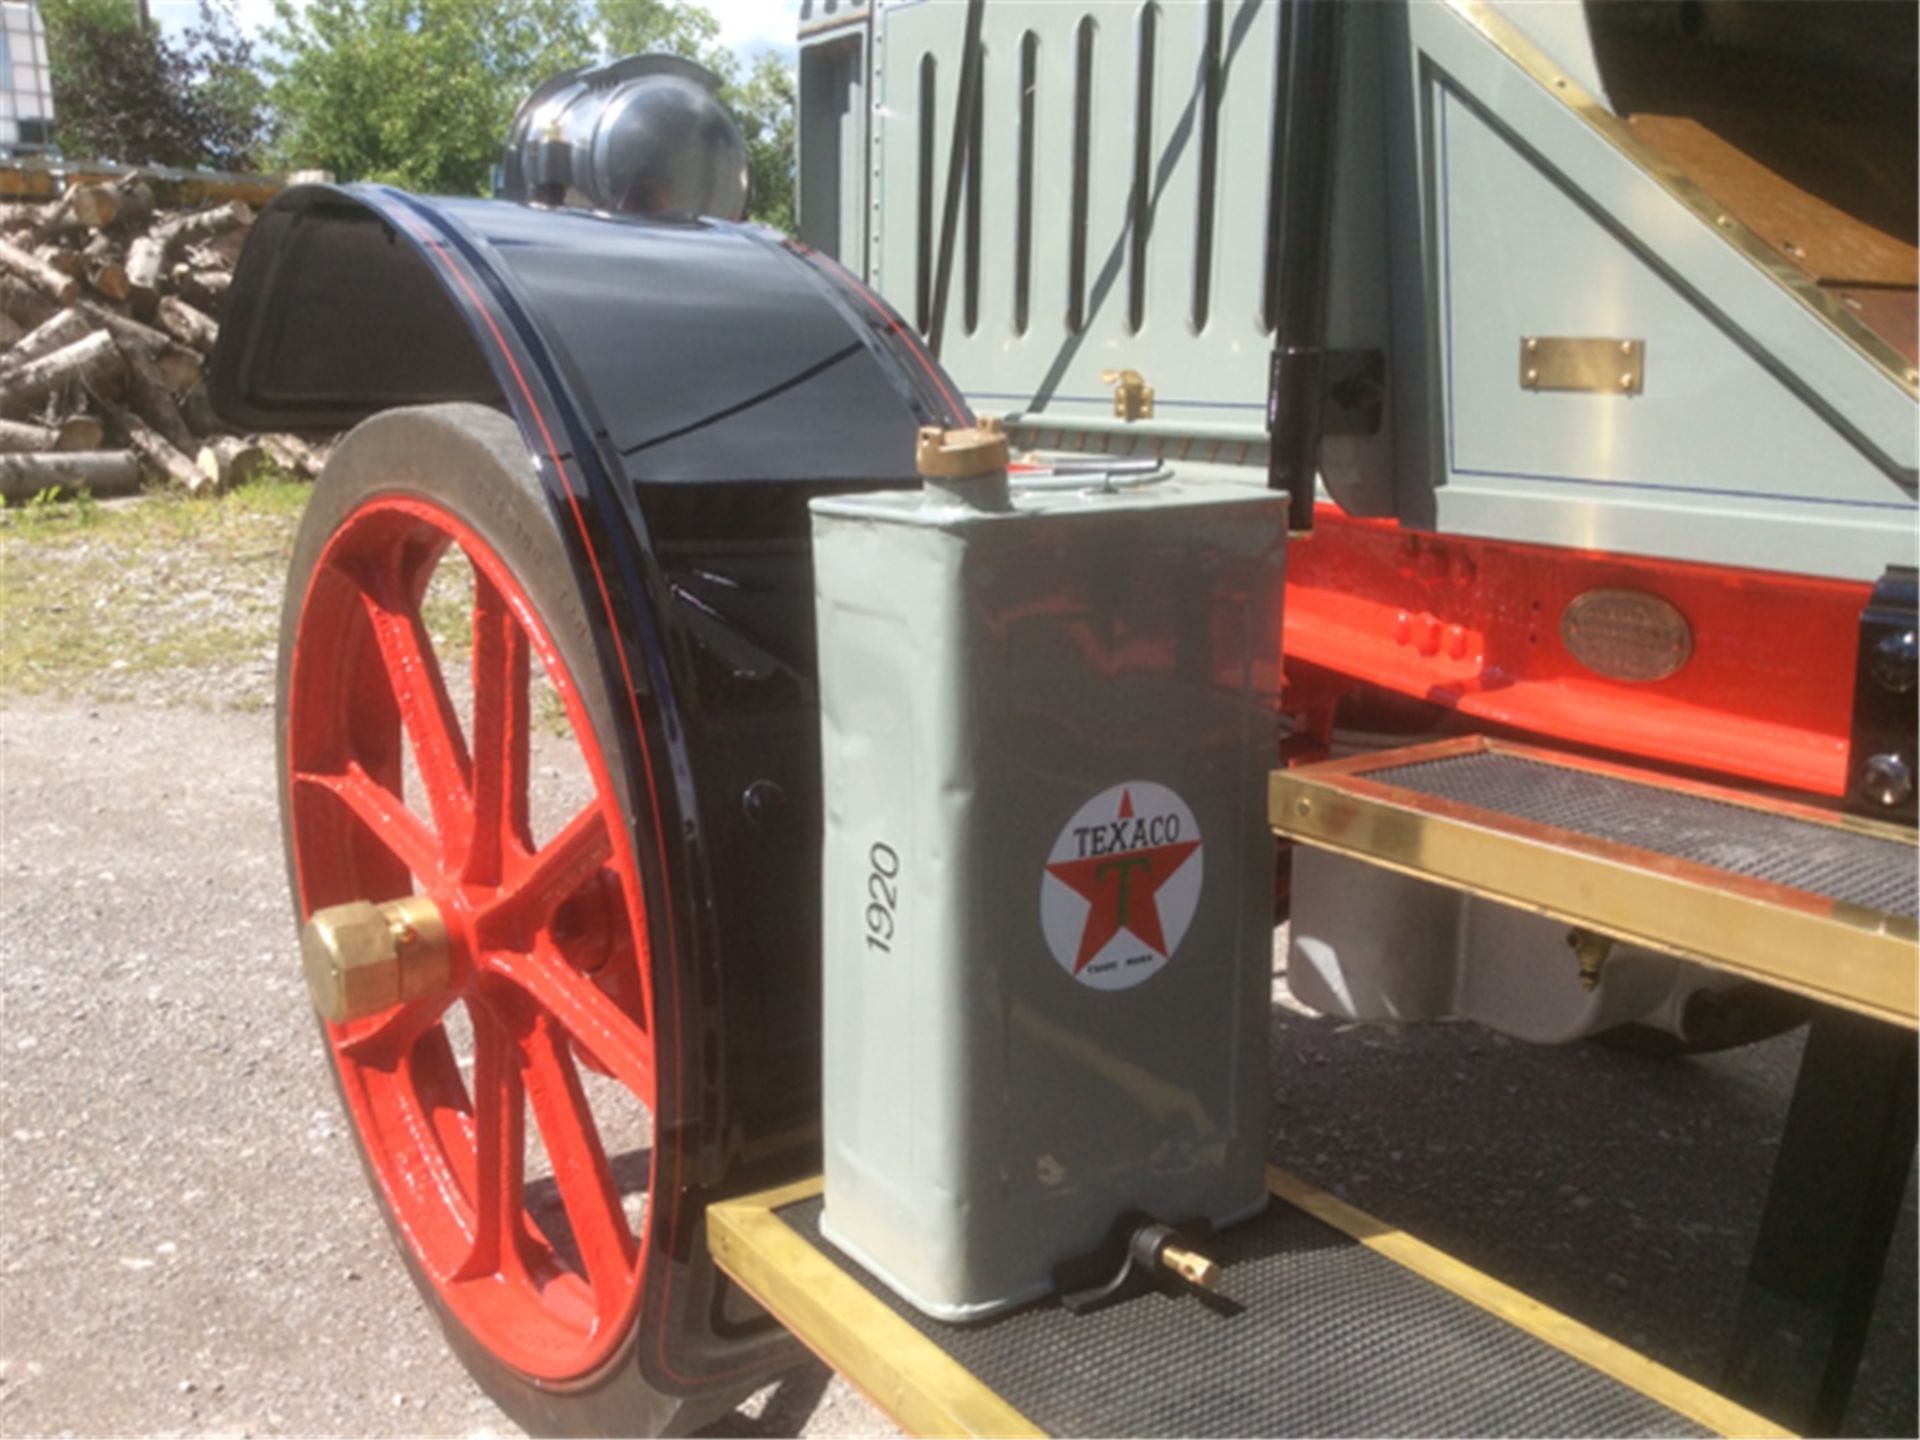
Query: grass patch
point(155, 598)
point(166, 600)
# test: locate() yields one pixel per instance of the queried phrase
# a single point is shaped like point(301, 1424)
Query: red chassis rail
point(1475, 625)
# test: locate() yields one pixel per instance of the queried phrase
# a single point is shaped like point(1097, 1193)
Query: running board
point(1807, 900)
point(1325, 1322)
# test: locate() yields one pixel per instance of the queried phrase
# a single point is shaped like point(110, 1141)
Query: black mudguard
point(683, 389)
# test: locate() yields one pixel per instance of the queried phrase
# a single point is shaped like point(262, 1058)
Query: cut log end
point(228, 462)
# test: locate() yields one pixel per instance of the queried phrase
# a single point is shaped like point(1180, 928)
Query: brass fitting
point(1132, 396)
point(1191, 1266)
point(961, 454)
point(1591, 951)
point(361, 958)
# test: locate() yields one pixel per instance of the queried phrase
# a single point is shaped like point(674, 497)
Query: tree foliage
point(763, 107)
point(123, 91)
point(415, 93)
point(652, 27)
point(419, 93)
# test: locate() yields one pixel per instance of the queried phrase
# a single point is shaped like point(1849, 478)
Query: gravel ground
point(187, 1245)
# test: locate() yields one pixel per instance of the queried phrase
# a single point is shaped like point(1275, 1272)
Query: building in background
point(26, 87)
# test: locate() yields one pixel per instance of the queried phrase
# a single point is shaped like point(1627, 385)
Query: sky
point(748, 26)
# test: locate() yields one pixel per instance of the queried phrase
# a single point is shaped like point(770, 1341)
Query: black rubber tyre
point(471, 462)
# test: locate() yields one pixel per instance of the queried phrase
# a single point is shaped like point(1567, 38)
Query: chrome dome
point(644, 135)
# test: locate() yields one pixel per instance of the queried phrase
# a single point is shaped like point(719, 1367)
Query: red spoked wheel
point(476, 932)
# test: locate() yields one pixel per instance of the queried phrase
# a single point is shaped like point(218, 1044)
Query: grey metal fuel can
point(1047, 721)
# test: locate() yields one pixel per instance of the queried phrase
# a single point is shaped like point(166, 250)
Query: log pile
point(109, 310)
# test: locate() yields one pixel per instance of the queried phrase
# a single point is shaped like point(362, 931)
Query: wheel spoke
point(420, 690)
point(558, 869)
point(385, 1040)
point(580, 1168)
point(393, 825)
point(499, 1122)
point(583, 1010)
point(500, 733)
point(440, 1117)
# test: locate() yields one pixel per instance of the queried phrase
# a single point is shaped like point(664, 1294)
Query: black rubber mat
point(1820, 859)
point(1330, 1339)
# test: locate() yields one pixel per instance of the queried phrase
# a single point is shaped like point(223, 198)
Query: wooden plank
point(1831, 245)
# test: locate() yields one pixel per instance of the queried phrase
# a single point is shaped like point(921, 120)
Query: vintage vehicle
point(1474, 443)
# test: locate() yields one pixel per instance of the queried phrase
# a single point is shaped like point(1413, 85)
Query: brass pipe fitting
point(1592, 951)
point(1191, 1266)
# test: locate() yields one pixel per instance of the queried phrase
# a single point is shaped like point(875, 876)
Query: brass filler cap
point(361, 958)
point(961, 454)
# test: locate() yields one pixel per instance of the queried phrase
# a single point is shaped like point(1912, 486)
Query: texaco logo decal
point(1121, 885)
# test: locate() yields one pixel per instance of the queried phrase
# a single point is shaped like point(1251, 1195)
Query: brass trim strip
point(1841, 953)
point(912, 1379)
point(1611, 1358)
point(1501, 33)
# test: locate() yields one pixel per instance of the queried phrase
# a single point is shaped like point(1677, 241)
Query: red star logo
point(1122, 890)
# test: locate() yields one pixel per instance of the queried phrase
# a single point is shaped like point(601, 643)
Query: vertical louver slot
point(970, 277)
point(1082, 175)
point(1270, 255)
point(1023, 198)
point(923, 236)
point(1140, 202)
point(1210, 85)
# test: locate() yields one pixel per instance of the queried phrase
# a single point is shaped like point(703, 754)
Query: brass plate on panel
point(1626, 634)
point(1589, 366)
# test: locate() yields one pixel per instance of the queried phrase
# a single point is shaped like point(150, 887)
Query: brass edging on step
point(1830, 950)
point(903, 1372)
point(1611, 1358)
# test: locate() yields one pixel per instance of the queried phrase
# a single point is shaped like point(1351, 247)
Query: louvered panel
point(1201, 382)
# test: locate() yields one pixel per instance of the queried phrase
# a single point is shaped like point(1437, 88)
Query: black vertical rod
point(958, 159)
point(1831, 1210)
point(1302, 209)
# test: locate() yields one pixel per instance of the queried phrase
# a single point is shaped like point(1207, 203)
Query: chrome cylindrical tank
point(645, 135)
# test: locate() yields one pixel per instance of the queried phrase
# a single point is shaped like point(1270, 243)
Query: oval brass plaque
point(1626, 634)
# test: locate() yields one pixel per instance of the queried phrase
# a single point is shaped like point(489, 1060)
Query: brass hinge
point(1132, 396)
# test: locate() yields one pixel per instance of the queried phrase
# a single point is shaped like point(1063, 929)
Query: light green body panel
point(1476, 205)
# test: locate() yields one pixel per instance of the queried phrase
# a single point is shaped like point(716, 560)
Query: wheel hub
point(361, 958)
